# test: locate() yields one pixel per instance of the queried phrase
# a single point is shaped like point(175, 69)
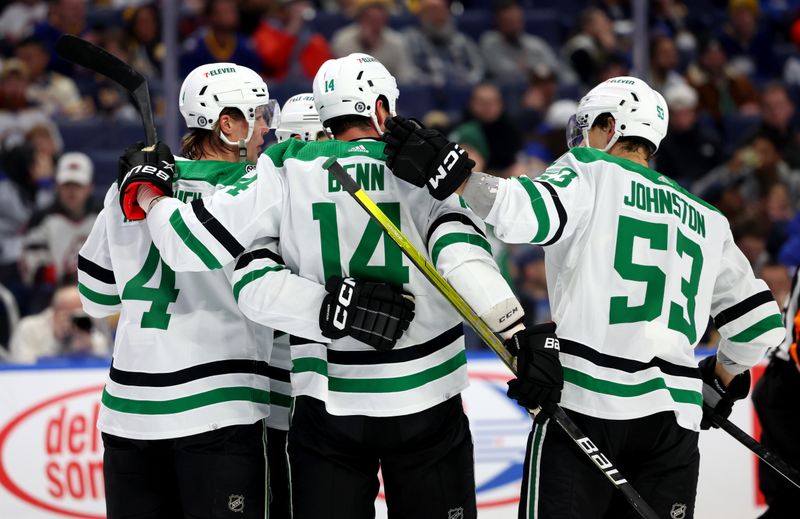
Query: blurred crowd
point(502, 77)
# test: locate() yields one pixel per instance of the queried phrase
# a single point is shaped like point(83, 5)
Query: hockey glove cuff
point(425, 157)
point(540, 377)
point(717, 398)
point(373, 313)
point(137, 167)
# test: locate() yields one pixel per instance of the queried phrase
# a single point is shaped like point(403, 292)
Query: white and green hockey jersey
point(185, 359)
point(323, 233)
point(635, 267)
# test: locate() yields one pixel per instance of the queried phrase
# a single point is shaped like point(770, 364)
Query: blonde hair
point(199, 141)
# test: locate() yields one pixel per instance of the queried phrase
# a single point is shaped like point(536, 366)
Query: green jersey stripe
point(97, 297)
point(186, 403)
point(533, 482)
point(381, 385)
point(191, 241)
point(280, 399)
point(539, 209)
point(310, 364)
point(457, 237)
point(214, 172)
point(586, 381)
point(252, 276)
point(761, 327)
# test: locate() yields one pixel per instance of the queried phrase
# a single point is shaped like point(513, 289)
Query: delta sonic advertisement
point(51, 454)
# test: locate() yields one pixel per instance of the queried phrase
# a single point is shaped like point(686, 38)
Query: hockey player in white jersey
point(357, 409)
point(182, 411)
point(635, 267)
point(299, 120)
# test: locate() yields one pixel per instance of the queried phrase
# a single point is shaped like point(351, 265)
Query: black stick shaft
point(96, 59)
point(771, 459)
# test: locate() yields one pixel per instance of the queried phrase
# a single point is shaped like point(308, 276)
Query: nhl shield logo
point(678, 511)
point(455, 513)
point(236, 503)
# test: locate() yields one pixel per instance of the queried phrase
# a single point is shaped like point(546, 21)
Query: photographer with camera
point(62, 329)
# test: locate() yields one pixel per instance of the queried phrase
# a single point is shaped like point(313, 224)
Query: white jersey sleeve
point(458, 248)
point(212, 232)
point(545, 210)
point(96, 282)
point(744, 310)
point(267, 293)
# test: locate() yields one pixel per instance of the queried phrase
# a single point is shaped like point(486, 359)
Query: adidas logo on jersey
point(358, 149)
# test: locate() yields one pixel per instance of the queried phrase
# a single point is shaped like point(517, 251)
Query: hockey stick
point(778, 465)
point(600, 460)
point(89, 55)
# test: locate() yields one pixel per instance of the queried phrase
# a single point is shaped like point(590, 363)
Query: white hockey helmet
point(210, 88)
point(351, 86)
point(299, 117)
point(638, 111)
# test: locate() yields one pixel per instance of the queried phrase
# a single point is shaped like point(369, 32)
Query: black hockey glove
point(425, 157)
point(718, 399)
point(540, 377)
point(137, 168)
point(374, 313)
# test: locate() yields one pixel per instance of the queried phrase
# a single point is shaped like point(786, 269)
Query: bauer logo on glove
point(153, 167)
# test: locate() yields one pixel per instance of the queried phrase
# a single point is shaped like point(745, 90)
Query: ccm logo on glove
point(446, 166)
point(345, 297)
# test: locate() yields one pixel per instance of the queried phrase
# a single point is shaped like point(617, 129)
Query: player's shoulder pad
point(313, 150)
point(279, 152)
point(215, 172)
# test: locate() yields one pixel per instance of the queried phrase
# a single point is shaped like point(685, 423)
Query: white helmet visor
point(271, 112)
point(576, 134)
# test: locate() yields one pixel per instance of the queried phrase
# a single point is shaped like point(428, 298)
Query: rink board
point(51, 453)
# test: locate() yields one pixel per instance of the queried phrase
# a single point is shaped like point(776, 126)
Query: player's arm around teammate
point(212, 232)
point(618, 234)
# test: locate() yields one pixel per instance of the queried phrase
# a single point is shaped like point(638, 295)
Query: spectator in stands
point(751, 172)
point(18, 18)
point(442, 54)
point(721, 90)
point(370, 34)
point(664, 64)
point(749, 234)
point(56, 234)
point(489, 131)
point(592, 47)
point(14, 86)
point(777, 117)
point(748, 48)
point(508, 51)
point(671, 17)
point(778, 280)
point(54, 93)
point(689, 150)
point(220, 41)
point(26, 185)
point(287, 45)
point(144, 46)
point(63, 17)
point(63, 329)
point(538, 96)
